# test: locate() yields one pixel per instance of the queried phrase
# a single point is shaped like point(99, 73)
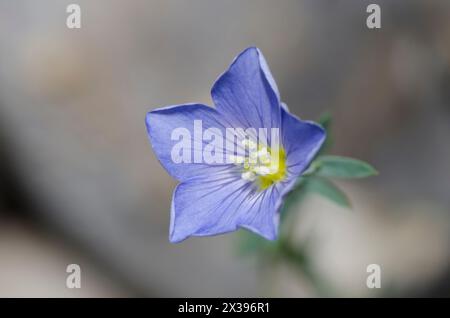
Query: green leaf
point(249, 243)
point(325, 121)
point(327, 189)
point(293, 198)
point(342, 167)
point(299, 257)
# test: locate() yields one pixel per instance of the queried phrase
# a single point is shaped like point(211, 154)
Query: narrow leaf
point(293, 198)
point(327, 189)
point(250, 243)
point(325, 121)
point(342, 167)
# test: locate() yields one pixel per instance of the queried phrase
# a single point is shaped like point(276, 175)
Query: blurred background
point(80, 184)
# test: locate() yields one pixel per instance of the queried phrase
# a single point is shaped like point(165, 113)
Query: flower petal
point(220, 204)
point(301, 141)
point(246, 94)
point(162, 122)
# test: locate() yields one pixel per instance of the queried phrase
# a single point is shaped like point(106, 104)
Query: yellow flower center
point(262, 165)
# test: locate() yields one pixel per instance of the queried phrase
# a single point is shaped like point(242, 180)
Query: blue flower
point(221, 196)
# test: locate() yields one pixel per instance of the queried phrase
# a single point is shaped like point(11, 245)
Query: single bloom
point(247, 189)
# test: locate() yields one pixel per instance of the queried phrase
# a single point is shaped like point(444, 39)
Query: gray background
point(80, 184)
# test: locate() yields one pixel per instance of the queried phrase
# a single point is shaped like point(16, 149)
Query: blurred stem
point(298, 255)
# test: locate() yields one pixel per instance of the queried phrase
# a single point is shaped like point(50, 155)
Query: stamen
point(274, 167)
point(258, 164)
point(248, 175)
point(261, 170)
point(264, 156)
point(249, 143)
point(253, 154)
